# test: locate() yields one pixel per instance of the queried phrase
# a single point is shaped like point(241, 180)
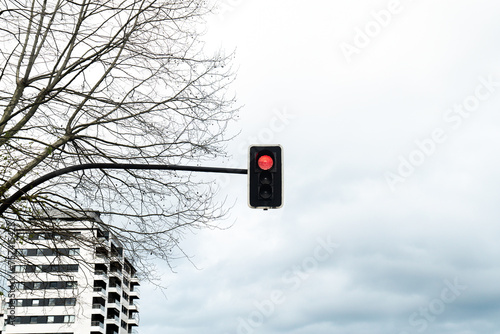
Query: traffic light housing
point(265, 177)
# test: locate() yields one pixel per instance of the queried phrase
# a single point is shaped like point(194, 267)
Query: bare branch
point(112, 81)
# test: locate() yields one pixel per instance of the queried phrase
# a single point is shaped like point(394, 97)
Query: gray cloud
point(400, 251)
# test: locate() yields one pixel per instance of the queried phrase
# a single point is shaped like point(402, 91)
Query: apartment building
point(68, 287)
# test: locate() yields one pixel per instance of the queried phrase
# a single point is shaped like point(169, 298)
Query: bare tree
point(125, 81)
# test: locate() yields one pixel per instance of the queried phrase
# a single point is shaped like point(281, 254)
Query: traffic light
point(265, 177)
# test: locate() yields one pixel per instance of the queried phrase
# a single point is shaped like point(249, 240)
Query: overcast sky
point(388, 113)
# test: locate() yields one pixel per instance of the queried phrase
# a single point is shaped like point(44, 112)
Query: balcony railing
point(115, 258)
point(100, 273)
point(97, 324)
point(101, 257)
point(116, 273)
point(117, 287)
point(134, 294)
point(113, 317)
point(98, 307)
point(114, 304)
point(133, 322)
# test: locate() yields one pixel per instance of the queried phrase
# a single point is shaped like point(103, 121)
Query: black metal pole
point(24, 190)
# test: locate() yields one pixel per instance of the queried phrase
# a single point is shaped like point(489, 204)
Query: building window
point(70, 285)
point(55, 319)
point(45, 285)
point(73, 251)
point(44, 302)
point(48, 236)
point(70, 302)
point(19, 269)
point(46, 268)
point(69, 318)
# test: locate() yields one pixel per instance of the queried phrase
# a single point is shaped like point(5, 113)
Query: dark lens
point(266, 191)
point(266, 178)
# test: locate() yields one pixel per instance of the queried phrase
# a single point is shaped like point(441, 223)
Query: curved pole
point(18, 194)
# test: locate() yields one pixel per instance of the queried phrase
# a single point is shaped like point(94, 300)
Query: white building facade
point(66, 287)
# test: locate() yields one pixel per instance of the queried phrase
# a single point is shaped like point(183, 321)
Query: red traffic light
point(265, 177)
point(265, 162)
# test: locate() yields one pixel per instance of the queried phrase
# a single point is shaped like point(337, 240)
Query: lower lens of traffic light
point(266, 178)
point(266, 191)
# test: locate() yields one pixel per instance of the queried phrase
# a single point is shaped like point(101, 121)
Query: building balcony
point(116, 273)
point(112, 319)
point(133, 307)
point(101, 258)
point(97, 326)
point(100, 275)
point(98, 308)
point(114, 304)
point(134, 281)
point(99, 289)
point(116, 289)
point(116, 258)
point(99, 292)
point(134, 294)
point(133, 322)
point(103, 240)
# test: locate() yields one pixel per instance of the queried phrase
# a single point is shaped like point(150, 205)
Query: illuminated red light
point(265, 162)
